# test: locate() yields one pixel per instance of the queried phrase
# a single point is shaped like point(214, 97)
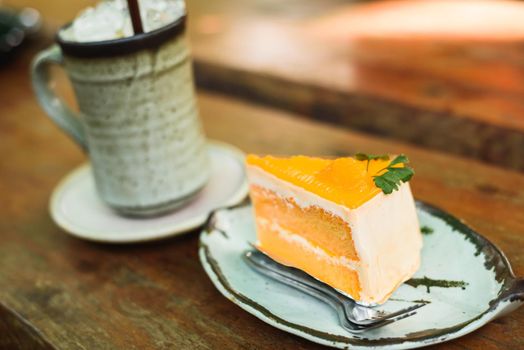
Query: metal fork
point(353, 317)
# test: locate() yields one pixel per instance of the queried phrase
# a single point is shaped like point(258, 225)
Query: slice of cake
point(347, 222)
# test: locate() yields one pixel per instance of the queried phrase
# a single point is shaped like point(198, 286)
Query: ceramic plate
point(76, 208)
point(464, 278)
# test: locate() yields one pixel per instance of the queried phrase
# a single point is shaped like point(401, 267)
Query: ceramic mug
point(138, 117)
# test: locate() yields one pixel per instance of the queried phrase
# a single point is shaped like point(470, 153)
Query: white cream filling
point(308, 246)
point(385, 232)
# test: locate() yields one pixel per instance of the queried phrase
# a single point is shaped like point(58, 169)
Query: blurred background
point(446, 75)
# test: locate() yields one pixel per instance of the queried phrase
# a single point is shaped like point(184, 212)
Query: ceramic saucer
point(76, 207)
point(464, 280)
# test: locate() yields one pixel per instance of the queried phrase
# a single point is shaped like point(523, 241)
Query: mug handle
point(53, 105)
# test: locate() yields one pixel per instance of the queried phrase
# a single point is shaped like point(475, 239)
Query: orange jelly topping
point(345, 181)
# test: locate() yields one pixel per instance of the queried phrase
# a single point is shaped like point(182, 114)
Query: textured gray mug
point(138, 117)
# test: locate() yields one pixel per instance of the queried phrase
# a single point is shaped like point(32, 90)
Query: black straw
point(136, 20)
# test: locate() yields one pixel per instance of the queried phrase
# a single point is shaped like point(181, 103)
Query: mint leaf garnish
point(394, 175)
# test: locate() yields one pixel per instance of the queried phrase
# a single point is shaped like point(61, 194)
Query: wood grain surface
point(60, 292)
point(445, 75)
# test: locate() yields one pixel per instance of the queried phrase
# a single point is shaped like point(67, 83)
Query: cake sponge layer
point(319, 227)
point(287, 248)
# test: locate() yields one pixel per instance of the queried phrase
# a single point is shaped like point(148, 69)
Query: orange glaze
point(344, 181)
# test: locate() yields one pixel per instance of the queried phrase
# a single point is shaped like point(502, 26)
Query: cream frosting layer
point(385, 231)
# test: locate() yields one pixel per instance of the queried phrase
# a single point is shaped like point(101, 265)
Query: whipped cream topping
point(110, 19)
point(385, 231)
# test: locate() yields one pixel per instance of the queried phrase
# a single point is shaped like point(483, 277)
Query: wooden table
point(444, 75)
point(58, 292)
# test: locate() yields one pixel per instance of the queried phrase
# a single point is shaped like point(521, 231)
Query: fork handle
point(352, 311)
point(259, 262)
point(260, 265)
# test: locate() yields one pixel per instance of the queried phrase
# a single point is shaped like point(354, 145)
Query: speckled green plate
point(465, 278)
